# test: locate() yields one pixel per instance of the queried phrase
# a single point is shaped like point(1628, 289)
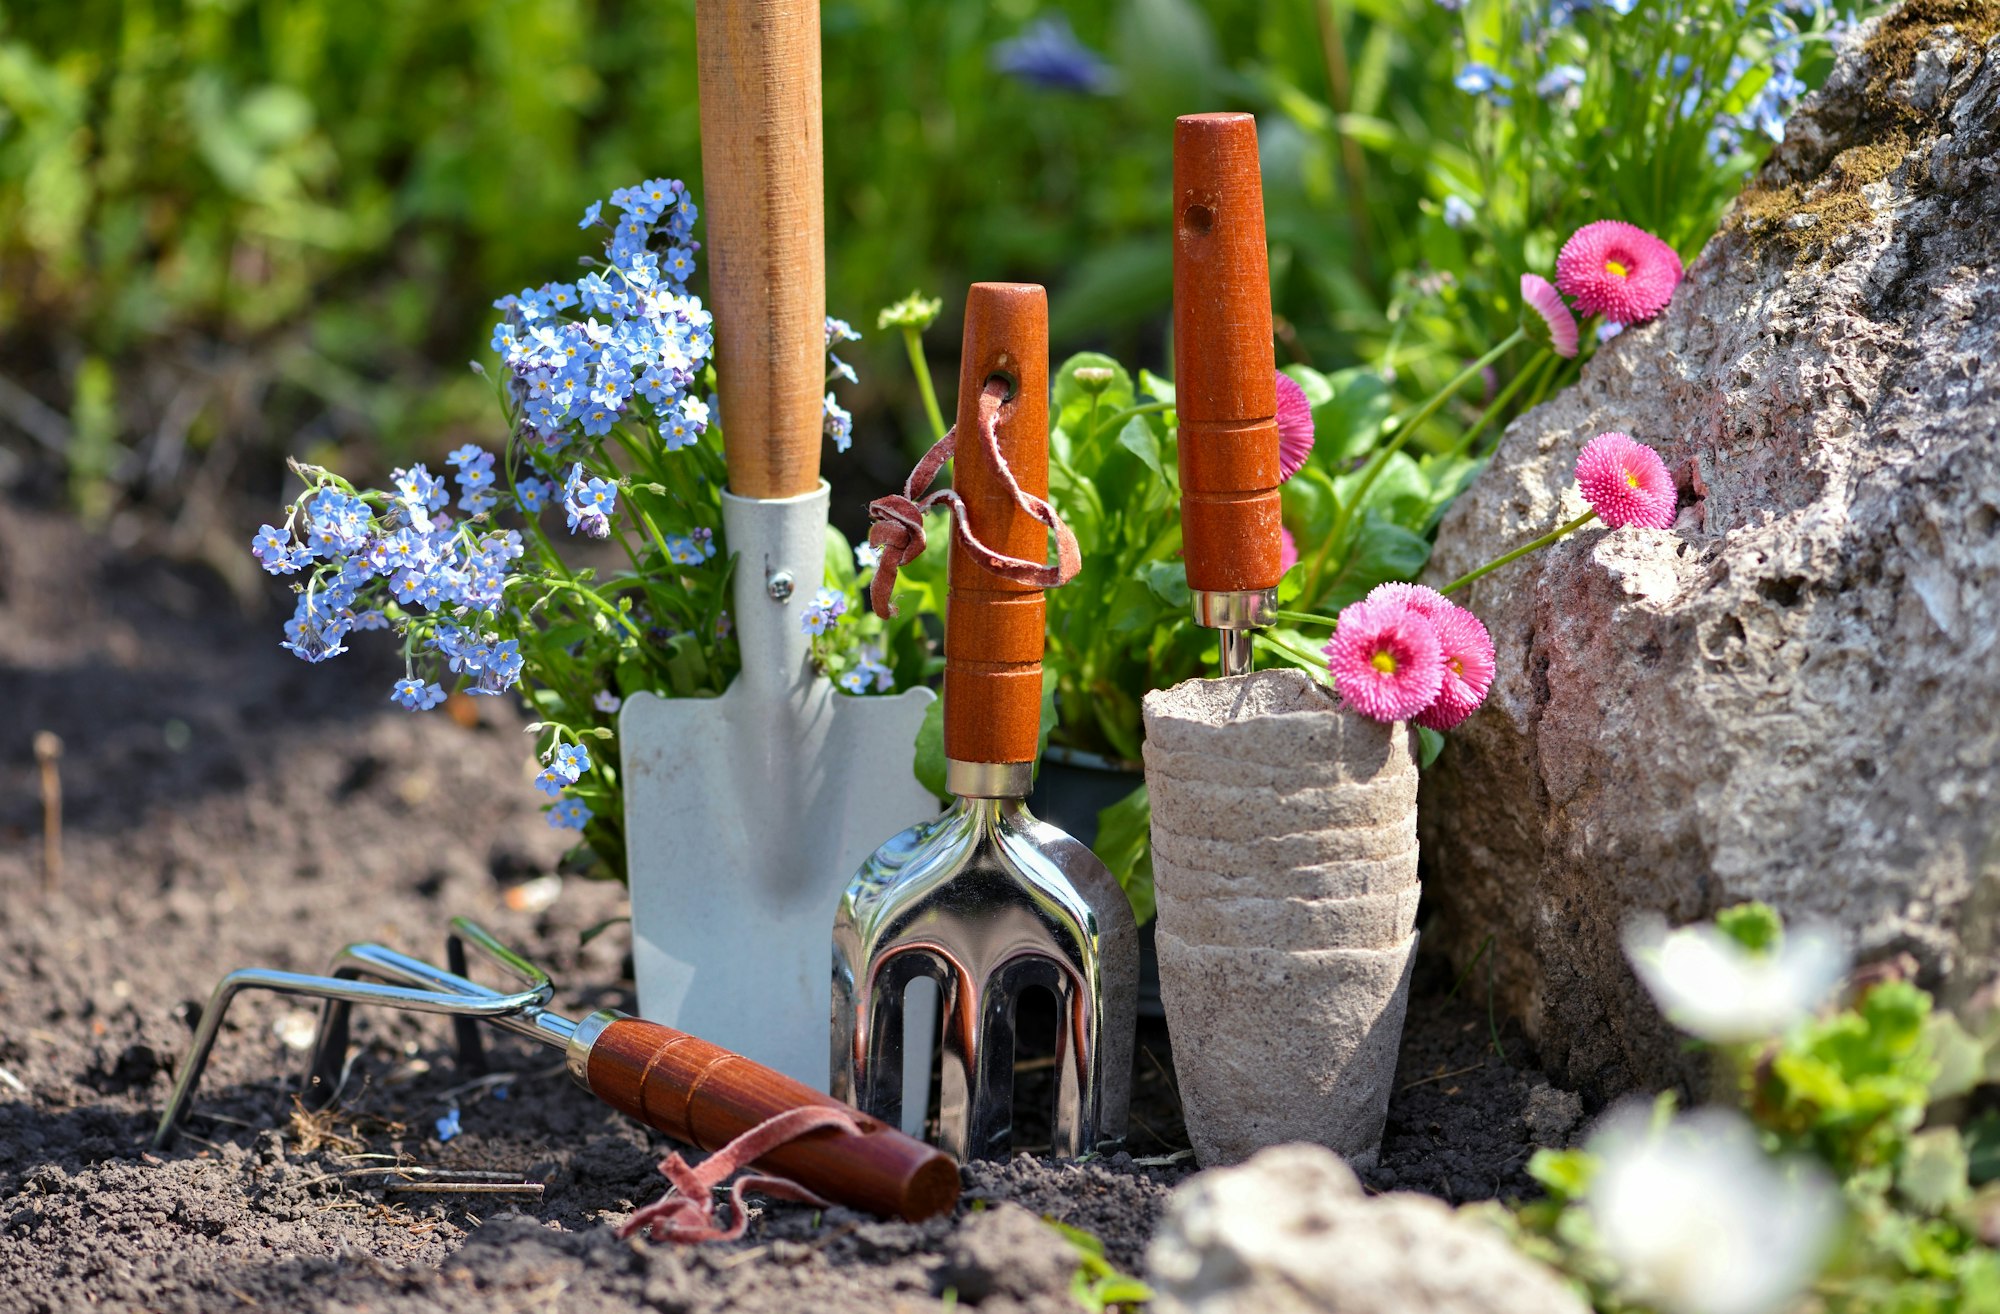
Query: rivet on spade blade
point(779, 585)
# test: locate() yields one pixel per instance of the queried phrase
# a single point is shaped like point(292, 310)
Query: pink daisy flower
point(1547, 303)
point(1464, 643)
point(1618, 271)
point(1468, 669)
point(1288, 550)
point(1295, 427)
point(1386, 660)
point(1626, 482)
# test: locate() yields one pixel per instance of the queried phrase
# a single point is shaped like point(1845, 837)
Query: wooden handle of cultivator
point(763, 189)
point(706, 1096)
point(993, 627)
point(1223, 360)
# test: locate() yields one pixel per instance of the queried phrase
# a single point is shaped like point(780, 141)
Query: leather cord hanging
point(687, 1211)
point(898, 518)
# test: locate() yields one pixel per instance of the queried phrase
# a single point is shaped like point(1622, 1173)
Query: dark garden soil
point(226, 805)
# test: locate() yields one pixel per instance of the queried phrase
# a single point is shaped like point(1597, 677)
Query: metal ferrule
point(988, 779)
point(1235, 609)
point(576, 1053)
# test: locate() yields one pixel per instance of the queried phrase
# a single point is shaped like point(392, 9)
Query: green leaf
point(1050, 717)
point(1430, 744)
point(1124, 845)
point(1960, 1059)
point(1982, 1148)
point(1118, 1289)
point(929, 765)
point(1072, 401)
point(1565, 1174)
point(1138, 438)
point(1933, 1174)
point(1347, 424)
point(1168, 582)
point(1755, 926)
point(1152, 385)
point(1382, 551)
point(839, 561)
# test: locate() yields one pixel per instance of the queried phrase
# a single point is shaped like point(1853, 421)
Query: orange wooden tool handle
point(763, 190)
point(1223, 363)
point(706, 1096)
point(993, 627)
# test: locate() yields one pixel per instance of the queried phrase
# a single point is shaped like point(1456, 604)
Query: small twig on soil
point(1425, 1081)
point(477, 1083)
point(13, 1082)
point(1164, 1160)
point(48, 749)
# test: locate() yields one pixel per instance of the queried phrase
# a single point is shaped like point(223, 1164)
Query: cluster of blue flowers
point(625, 344)
point(827, 606)
point(868, 672)
point(1764, 115)
point(583, 355)
point(408, 550)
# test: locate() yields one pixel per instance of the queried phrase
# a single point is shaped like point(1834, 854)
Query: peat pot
point(1285, 863)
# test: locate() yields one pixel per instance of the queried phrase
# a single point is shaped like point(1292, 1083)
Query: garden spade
point(986, 901)
point(1224, 386)
point(747, 813)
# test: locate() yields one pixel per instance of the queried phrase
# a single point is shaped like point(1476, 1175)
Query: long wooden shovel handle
point(704, 1095)
point(993, 626)
point(1223, 361)
point(763, 191)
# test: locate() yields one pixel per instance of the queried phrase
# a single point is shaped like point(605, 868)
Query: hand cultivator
point(987, 901)
point(696, 1092)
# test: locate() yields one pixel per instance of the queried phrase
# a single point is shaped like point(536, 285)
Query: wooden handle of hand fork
point(993, 626)
point(1223, 361)
point(763, 190)
point(705, 1096)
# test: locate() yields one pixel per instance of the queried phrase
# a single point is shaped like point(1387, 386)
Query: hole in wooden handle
point(1198, 220)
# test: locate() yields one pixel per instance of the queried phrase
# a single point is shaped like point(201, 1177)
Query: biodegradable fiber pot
point(1285, 864)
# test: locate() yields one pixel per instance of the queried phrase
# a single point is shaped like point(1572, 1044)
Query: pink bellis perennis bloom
point(1617, 270)
point(1626, 482)
point(1288, 550)
point(1295, 427)
point(1550, 314)
point(1385, 659)
point(1463, 642)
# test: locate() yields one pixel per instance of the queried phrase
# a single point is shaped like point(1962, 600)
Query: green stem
point(1521, 551)
point(914, 345)
point(1378, 462)
point(1307, 618)
point(1313, 659)
point(1465, 441)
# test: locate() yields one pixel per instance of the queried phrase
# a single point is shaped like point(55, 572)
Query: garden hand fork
point(1224, 387)
point(747, 813)
point(986, 901)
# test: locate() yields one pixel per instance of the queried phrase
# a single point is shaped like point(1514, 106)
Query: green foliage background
point(258, 223)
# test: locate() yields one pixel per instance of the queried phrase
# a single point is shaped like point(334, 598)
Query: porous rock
point(1290, 1232)
point(1793, 694)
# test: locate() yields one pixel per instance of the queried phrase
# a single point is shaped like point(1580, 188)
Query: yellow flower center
point(1384, 662)
point(1631, 480)
point(1615, 267)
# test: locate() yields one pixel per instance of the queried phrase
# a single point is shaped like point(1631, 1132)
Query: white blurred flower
point(1711, 986)
point(1699, 1220)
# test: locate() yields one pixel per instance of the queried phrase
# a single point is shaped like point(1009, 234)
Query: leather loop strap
point(897, 527)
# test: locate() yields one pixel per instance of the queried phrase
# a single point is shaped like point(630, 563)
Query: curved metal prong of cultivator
point(989, 903)
point(404, 982)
